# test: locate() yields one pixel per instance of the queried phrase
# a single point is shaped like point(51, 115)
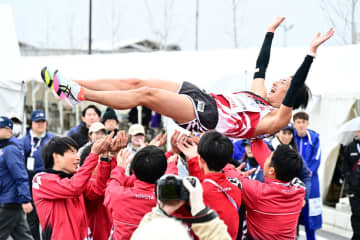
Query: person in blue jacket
point(15, 199)
point(89, 115)
point(239, 149)
point(36, 137)
point(308, 144)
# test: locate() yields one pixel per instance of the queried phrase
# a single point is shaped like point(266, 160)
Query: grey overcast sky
point(64, 23)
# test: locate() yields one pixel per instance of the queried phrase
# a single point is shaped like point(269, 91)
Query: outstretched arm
point(300, 76)
point(258, 85)
point(278, 119)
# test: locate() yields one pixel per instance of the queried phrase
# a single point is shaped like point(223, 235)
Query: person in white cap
point(137, 138)
point(97, 131)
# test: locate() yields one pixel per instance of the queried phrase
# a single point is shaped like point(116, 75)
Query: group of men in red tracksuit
point(78, 204)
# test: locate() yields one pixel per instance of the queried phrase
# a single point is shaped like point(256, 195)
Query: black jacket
point(81, 136)
point(351, 165)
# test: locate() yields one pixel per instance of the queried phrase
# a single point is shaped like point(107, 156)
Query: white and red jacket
point(60, 201)
point(273, 207)
point(128, 199)
point(240, 113)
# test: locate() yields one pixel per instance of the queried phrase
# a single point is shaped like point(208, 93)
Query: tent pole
point(23, 116)
point(46, 102)
point(33, 97)
point(61, 120)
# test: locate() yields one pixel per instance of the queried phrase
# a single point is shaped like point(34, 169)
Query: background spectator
point(97, 131)
point(34, 140)
point(14, 192)
point(351, 169)
point(90, 115)
point(137, 138)
point(18, 125)
point(110, 121)
point(308, 143)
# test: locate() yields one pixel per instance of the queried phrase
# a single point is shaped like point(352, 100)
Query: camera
point(171, 187)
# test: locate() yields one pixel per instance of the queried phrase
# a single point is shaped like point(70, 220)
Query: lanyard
point(34, 146)
point(220, 188)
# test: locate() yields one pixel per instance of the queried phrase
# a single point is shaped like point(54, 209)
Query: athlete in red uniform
point(237, 115)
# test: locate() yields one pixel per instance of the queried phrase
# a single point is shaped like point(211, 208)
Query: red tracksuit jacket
point(216, 199)
point(60, 201)
point(99, 219)
point(273, 207)
point(129, 199)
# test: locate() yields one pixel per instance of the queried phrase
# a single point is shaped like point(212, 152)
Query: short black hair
point(287, 163)
point(58, 145)
point(149, 164)
point(216, 150)
point(234, 162)
point(85, 152)
point(96, 109)
point(301, 115)
point(302, 97)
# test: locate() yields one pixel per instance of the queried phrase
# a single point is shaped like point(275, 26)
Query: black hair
point(96, 109)
point(292, 142)
point(85, 152)
point(234, 162)
point(301, 115)
point(302, 97)
point(58, 145)
point(149, 164)
point(287, 163)
point(216, 150)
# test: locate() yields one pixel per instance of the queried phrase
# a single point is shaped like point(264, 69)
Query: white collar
point(40, 137)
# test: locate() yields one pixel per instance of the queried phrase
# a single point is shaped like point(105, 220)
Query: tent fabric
point(11, 86)
point(335, 114)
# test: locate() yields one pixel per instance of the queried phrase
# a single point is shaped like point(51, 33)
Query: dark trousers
point(13, 223)
point(34, 224)
point(355, 216)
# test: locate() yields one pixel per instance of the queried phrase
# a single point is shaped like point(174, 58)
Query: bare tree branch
point(342, 16)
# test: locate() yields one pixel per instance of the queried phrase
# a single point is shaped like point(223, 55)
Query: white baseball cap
point(97, 126)
point(136, 129)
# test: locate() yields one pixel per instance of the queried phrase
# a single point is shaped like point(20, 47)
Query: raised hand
point(245, 174)
point(159, 140)
point(272, 27)
point(320, 39)
point(123, 158)
point(196, 194)
point(102, 145)
point(174, 158)
point(119, 142)
point(187, 147)
point(174, 140)
point(194, 138)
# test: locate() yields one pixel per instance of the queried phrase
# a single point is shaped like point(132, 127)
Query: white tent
point(11, 85)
